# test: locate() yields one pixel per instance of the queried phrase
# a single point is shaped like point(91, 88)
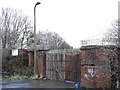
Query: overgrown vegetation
point(16, 70)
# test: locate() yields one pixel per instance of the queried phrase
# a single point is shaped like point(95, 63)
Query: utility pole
point(35, 48)
point(118, 51)
point(0, 51)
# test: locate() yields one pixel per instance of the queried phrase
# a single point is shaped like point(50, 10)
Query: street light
point(0, 51)
point(35, 59)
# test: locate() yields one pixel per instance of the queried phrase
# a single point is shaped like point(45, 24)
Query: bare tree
point(0, 50)
point(15, 27)
point(111, 37)
point(51, 40)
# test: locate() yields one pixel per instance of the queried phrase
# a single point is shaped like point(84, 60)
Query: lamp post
point(0, 49)
point(118, 82)
point(35, 59)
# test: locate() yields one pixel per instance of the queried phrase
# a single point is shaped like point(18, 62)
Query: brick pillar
point(30, 61)
point(42, 64)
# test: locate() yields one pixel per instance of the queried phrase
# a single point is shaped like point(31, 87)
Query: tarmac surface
point(35, 84)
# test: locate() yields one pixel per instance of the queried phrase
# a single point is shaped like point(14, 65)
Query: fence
point(93, 66)
point(61, 65)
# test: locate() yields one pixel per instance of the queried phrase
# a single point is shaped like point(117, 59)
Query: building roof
point(97, 46)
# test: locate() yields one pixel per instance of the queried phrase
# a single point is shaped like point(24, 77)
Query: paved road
point(35, 84)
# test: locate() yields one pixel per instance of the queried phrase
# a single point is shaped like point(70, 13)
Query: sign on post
point(14, 52)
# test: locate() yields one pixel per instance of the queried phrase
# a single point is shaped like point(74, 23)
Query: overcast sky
point(73, 20)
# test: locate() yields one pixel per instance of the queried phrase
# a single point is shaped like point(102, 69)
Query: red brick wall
point(41, 63)
point(102, 80)
point(22, 57)
point(99, 80)
point(23, 54)
point(89, 83)
point(30, 61)
point(100, 57)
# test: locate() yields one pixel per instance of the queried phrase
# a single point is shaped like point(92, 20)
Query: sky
point(73, 20)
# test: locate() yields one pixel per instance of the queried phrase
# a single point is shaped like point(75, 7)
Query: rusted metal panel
point(71, 65)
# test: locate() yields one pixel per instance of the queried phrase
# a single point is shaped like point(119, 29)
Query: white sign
point(14, 52)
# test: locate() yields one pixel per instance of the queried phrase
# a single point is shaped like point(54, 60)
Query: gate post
point(30, 61)
point(42, 64)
